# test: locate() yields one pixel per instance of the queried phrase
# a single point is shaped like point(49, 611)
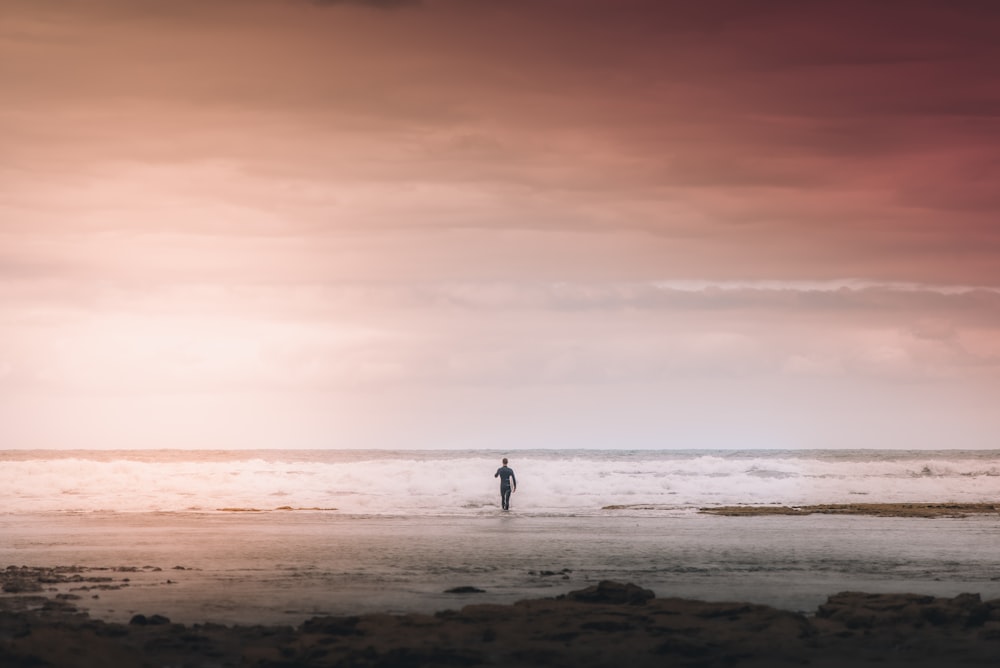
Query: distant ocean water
point(449, 483)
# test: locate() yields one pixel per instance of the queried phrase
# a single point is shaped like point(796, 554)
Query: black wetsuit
point(506, 475)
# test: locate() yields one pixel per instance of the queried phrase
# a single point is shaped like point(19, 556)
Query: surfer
point(508, 483)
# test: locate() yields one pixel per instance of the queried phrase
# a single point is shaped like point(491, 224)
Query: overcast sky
point(499, 223)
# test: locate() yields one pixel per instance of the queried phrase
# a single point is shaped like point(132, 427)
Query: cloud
point(376, 4)
point(784, 139)
point(143, 336)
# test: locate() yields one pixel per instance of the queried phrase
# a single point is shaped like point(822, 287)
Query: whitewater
point(446, 483)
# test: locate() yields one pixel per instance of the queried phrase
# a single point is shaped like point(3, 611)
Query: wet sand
point(872, 509)
point(608, 624)
point(281, 569)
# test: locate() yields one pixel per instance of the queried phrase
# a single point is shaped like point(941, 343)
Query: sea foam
point(558, 482)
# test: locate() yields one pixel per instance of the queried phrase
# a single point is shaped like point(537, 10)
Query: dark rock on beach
point(465, 589)
point(608, 624)
point(22, 579)
point(858, 610)
point(153, 620)
point(607, 591)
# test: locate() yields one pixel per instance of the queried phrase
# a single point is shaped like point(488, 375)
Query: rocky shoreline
point(607, 624)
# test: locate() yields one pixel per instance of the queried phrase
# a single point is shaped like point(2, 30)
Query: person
point(508, 483)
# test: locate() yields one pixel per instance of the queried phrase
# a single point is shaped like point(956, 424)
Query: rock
point(608, 591)
point(590, 628)
point(18, 586)
point(465, 590)
point(333, 626)
point(152, 620)
point(865, 611)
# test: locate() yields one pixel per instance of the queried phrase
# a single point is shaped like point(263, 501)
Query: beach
point(310, 588)
point(364, 559)
point(286, 566)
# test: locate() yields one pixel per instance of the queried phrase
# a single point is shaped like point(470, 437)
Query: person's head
point(505, 461)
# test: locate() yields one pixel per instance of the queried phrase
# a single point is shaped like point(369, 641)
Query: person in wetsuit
point(508, 483)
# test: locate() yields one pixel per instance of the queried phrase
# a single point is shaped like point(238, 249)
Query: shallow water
point(283, 567)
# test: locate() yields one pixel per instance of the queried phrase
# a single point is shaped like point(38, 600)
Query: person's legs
point(505, 498)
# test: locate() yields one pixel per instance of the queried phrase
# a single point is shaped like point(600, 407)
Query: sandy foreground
point(608, 624)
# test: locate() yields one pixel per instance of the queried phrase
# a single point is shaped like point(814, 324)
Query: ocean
point(461, 483)
point(282, 535)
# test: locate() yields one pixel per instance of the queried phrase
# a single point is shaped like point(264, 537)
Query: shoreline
point(955, 510)
point(608, 624)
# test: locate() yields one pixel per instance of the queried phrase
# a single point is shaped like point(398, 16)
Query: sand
point(608, 624)
point(873, 509)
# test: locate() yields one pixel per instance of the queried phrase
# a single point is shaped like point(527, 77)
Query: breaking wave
point(560, 482)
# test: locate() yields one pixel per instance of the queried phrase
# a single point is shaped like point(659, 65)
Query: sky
point(499, 224)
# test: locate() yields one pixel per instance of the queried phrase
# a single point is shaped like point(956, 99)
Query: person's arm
point(497, 474)
point(513, 481)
